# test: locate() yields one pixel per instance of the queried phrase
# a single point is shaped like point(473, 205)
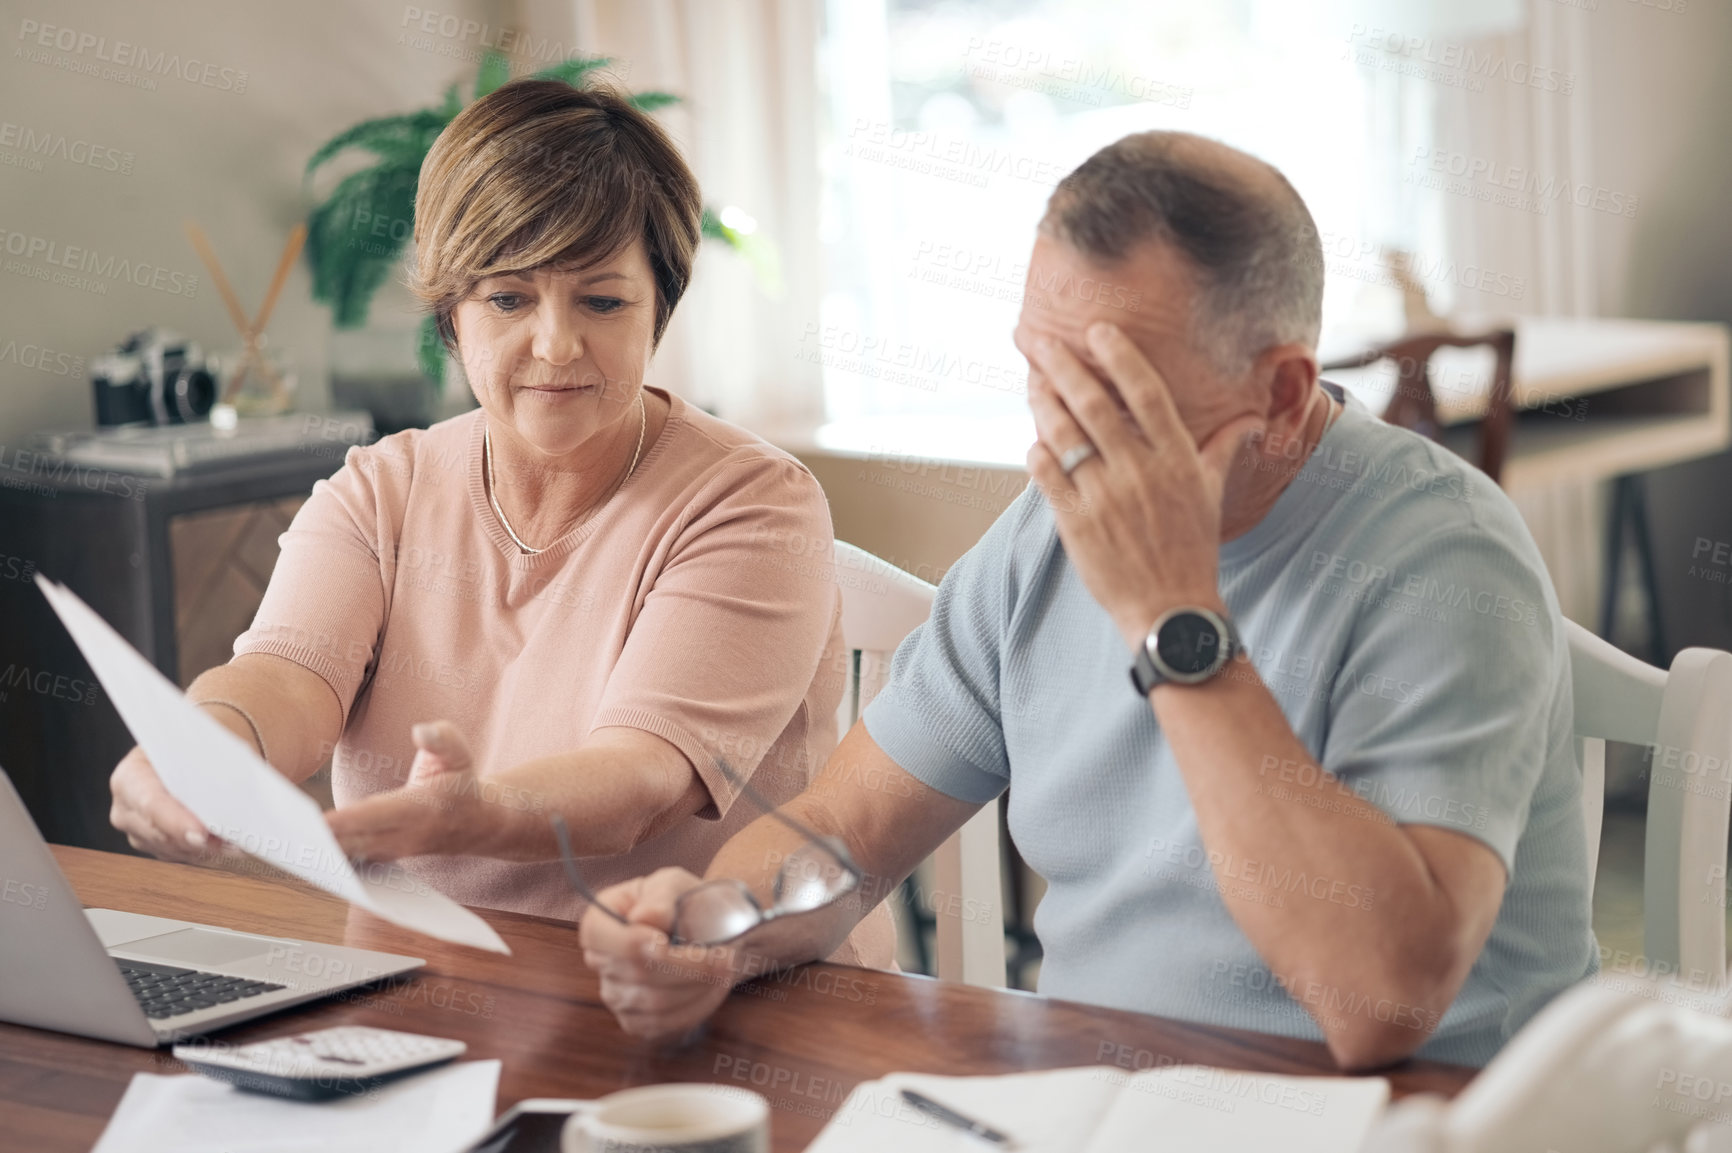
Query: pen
point(954, 1119)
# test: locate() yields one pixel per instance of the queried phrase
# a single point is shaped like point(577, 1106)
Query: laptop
point(141, 980)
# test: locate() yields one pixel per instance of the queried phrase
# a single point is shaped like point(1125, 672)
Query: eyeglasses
point(718, 912)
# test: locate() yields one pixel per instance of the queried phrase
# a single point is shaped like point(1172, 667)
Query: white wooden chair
point(1684, 718)
point(881, 604)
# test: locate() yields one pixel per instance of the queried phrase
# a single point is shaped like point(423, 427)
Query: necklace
point(492, 491)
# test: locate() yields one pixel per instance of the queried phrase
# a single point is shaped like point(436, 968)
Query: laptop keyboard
point(167, 991)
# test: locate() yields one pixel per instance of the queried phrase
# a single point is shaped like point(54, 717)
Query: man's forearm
point(754, 856)
point(889, 822)
point(1338, 900)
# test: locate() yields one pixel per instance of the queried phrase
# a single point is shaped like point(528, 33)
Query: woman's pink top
point(699, 604)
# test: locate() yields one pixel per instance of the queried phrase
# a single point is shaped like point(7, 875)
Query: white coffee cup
point(685, 1118)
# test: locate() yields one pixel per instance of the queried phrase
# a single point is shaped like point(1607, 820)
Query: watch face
point(1188, 643)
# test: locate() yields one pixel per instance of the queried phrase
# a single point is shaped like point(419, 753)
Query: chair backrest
point(1414, 406)
point(881, 604)
point(1684, 718)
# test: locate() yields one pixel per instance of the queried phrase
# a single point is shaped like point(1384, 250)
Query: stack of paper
point(442, 1111)
point(1178, 1109)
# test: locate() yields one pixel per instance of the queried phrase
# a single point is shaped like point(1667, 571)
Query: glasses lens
point(811, 878)
point(716, 912)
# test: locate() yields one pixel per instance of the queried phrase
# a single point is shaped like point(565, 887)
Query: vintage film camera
point(154, 377)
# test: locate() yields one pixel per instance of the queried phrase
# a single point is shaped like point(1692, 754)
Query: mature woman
point(576, 600)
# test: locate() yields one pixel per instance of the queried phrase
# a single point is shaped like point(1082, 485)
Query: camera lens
point(194, 393)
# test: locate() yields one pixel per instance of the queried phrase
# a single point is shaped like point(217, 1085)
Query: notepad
point(1178, 1109)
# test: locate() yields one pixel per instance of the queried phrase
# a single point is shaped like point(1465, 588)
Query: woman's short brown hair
point(538, 172)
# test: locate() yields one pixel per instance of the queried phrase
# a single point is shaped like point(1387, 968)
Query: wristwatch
point(1187, 646)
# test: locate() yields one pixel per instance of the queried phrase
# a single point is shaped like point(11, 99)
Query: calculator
point(346, 1060)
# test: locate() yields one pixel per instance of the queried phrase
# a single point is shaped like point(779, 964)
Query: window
point(946, 124)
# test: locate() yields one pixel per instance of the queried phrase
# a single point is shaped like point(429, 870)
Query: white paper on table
point(1048, 1111)
point(241, 799)
point(441, 1111)
point(1199, 1108)
point(1177, 1109)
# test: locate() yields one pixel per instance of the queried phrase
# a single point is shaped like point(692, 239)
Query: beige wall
point(1662, 90)
point(918, 514)
point(226, 149)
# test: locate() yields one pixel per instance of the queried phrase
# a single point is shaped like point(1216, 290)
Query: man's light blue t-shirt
point(1398, 610)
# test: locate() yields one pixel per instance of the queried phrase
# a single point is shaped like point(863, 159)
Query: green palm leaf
point(574, 71)
point(355, 238)
point(453, 104)
point(650, 101)
point(430, 350)
point(495, 71)
point(392, 138)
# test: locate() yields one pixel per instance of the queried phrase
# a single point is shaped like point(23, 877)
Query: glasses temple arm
point(832, 844)
point(571, 874)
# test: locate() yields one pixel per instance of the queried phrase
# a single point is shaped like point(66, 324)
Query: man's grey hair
point(1254, 250)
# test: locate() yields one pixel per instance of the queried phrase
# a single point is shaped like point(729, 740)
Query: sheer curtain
point(747, 72)
point(1547, 134)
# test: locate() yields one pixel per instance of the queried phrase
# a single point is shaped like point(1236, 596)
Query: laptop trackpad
point(197, 948)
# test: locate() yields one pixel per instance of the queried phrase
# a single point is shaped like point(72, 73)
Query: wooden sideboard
point(177, 565)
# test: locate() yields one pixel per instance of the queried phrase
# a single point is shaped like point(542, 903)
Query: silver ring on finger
point(1073, 458)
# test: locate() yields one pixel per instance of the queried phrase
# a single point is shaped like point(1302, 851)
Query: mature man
point(1340, 801)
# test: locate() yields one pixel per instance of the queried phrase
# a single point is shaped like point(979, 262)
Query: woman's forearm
point(622, 788)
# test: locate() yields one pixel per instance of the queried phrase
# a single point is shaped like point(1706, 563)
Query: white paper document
point(1178, 1109)
point(441, 1111)
point(241, 799)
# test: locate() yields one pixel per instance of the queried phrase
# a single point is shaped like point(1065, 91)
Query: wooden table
point(804, 1040)
point(1594, 398)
